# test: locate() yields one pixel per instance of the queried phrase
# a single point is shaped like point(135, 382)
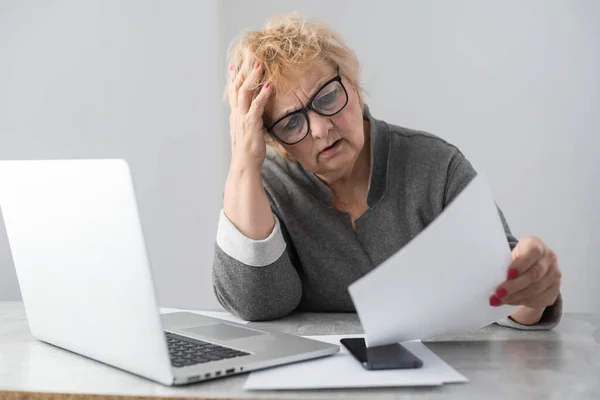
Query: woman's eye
point(325, 100)
point(293, 122)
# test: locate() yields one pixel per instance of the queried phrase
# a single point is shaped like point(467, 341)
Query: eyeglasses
point(329, 100)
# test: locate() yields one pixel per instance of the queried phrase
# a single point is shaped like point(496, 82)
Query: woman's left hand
point(533, 281)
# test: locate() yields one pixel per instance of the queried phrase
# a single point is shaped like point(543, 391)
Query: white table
point(500, 363)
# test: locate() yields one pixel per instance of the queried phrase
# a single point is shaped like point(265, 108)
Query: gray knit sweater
point(313, 254)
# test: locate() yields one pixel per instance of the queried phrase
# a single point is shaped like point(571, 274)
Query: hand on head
point(247, 130)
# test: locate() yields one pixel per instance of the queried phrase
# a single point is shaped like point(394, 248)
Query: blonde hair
point(288, 44)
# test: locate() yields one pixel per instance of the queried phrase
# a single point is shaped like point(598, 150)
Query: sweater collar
point(378, 181)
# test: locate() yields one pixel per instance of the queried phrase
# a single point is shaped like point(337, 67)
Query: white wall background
point(131, 79)
point(514, 84)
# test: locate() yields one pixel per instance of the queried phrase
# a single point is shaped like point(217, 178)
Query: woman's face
point(344, 130)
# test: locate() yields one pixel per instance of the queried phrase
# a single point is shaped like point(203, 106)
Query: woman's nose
point(319, 125)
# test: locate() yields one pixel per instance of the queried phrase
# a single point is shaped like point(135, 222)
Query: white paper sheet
point(442, 280)
point(224, 315)
point(341, 370)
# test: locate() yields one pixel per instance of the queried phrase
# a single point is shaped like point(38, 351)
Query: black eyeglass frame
point(309, 106)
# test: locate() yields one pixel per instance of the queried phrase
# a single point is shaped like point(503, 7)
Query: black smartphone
point(391, 356)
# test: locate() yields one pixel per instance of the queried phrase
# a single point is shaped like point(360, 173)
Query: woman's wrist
point(240, 167)
point(528, 316)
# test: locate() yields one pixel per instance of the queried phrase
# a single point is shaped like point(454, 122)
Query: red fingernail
point(257, 65)
point(513, 273)
point(494, 301)
point(231, 67)
point(501, 292)
point(267, 85)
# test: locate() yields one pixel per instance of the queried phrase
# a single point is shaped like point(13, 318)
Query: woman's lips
point(331, 149)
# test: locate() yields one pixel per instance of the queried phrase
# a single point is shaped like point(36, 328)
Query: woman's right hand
point(248, 146)
point(245, 202)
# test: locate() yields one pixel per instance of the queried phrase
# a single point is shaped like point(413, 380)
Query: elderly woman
point(320, 192)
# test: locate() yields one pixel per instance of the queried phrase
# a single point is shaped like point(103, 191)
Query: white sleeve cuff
point(256, 253)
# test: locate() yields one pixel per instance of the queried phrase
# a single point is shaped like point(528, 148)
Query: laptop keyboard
point(186, 351)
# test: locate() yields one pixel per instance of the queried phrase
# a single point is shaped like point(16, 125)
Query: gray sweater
point(313, 254)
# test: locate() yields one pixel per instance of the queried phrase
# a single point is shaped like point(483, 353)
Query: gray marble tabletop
point(500, 363)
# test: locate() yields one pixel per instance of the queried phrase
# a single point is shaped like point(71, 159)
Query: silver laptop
point(78, 248)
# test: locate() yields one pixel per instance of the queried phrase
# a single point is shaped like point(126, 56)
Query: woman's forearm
point(246, 204)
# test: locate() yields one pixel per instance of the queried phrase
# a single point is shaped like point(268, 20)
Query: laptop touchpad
point(222, 332)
